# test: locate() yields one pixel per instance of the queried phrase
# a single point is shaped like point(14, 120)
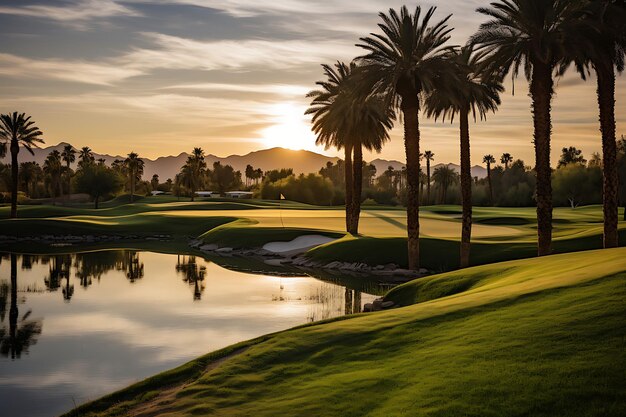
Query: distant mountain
point(267, 159)
point(383, 164)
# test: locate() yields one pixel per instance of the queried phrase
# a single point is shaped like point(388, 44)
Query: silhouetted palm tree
point(134, 169)
point(85, 156)
point(531, 34)
point(69, 156)
point(53, 168)
point(346, 115)
point(428, 156)
point(18, 130)
point(489, 159)
point(600, 45)
point(444, 177)
point(30, 174)
point(194, 171)
point(506, 159)
point(405, 62)
point(475, 92)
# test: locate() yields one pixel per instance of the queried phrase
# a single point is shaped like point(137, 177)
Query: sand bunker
point(300, 243)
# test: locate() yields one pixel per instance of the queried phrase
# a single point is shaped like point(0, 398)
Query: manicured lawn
point(535, 337)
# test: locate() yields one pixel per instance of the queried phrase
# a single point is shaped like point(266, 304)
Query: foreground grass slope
point(536, 337)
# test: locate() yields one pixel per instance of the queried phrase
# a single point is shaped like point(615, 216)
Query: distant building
point(239, 194)
point(156, 192)
point(207, 194)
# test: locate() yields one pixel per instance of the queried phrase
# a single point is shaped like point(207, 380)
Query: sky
point(160, 77)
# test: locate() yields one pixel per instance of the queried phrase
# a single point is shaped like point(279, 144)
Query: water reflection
point(22, 332)
point(193, 274)
point(114, 317)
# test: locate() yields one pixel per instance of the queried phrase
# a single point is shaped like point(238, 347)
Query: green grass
point(535, 337)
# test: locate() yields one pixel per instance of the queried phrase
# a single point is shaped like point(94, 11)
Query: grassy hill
point(536, 337)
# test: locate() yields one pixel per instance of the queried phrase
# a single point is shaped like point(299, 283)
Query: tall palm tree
point(475, 92)
point(444, 177)
point(531, 34)
point(85, 156)
point(428, 156)
point(69, 156)
point(53, 168)
point(506, 159)
point(18, 130)
point(489, 159)
point(134, 168)
point(600, 46)
point(345, 115)
point(406, 62)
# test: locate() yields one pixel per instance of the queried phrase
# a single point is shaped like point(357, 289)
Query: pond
point(74, 327)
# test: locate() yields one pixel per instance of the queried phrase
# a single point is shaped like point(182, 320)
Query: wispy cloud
point(285, 90)
point(80, 10)
point(66, 70)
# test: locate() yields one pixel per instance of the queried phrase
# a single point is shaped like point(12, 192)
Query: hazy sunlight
point(291, 128)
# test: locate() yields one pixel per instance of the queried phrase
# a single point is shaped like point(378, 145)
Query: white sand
point(300, 243)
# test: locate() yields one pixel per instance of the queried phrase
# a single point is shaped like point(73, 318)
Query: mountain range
point(275, 158)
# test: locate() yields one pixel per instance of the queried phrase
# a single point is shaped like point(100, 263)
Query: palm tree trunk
point(541, 90)
point(349, 185)
point(410, 109)
point(427, 182)
point(15, 149)
point(610, 187)
point(466, 188)
point(357, 179)
point(132, 187)
point(489, 182)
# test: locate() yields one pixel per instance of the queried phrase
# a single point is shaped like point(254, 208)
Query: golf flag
point(282, 197)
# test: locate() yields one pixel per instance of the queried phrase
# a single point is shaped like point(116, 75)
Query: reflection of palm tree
point(19, 338)
point(357, 302)
point(348, 303)
point(68, 290)
point(192, 274)
point(94, 264)
point(59, 269)
point(132, 265)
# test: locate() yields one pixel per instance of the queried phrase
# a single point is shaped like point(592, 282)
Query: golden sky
point(162, 76)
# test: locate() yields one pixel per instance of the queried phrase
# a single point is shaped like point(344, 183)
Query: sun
point(290, 128)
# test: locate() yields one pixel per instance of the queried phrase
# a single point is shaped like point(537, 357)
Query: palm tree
point(53, 168)
point(489, 159)
point(601, 45)
point(444, 177)
point(428, 156)
point(134, 169)
point(18, 130)
point(85, 156)
point(30, 174)
point(406, 62)
point(475, 92)
point(531, 34)
point(346, 116)
point(193, 171)
point(69, 156)
point(506, 159)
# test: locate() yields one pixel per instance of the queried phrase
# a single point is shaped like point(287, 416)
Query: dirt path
point(165, 401)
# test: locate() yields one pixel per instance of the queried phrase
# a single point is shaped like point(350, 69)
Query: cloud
point(74, 71)
point(285, 90)
point(75, 11)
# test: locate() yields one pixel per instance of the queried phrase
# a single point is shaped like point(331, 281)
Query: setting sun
point(291, 129)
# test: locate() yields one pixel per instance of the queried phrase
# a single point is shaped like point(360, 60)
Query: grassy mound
point(540, 337)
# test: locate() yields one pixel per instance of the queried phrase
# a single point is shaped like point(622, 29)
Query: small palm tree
point(444, 177)
point(18, 130)
point(506, 159)
point(347, 116)
point(85, 156)
point(406, 62)
point(428, 156)
point(69, 156)
point(489, 159)
point(53, 168)
point(134, 169)
point(532, 34)
point(193, 171)
point(30, 174)
point(472, 92)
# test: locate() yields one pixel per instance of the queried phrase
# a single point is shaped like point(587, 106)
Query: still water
point(74, 327)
